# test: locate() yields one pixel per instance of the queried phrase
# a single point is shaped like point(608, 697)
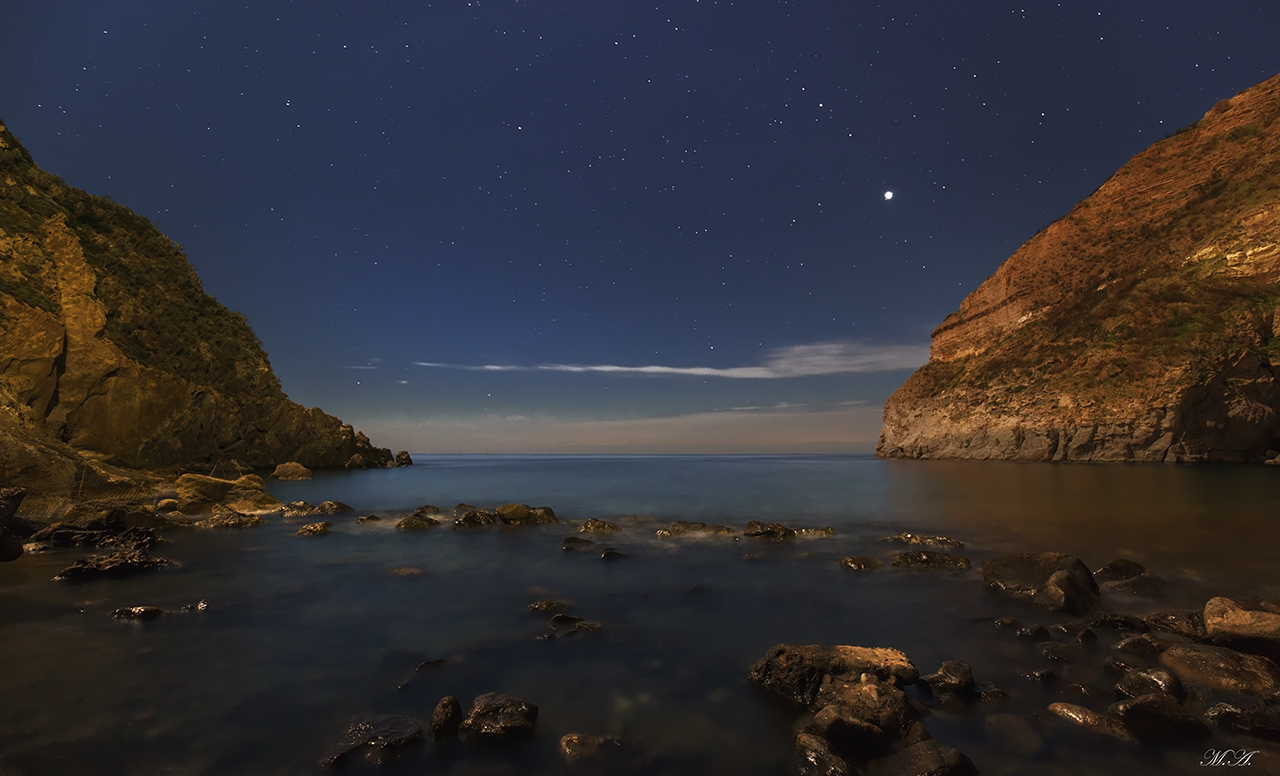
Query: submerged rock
point(954, 676)
point(1138, 683)
point(1157, 719)
point(1119, 569)
point(116, 564)
point(592, 525)
point(1188, 623)
point(496, 716)
point(333, 508)
point(945, 542)
point(686, 527)
point(1012, 732)
point(377, 732)
point(1058, 582)
point(225, 517)
point(313, 529)
point(476, 518)
point(924, 559)
point(139, 613)
point(1219, 668)
point(299, 509)
point(815, 758)
point(797, 671)
point(575, 543)
point(416, 522)
point(523, 514)
point(930, 758)
point(600, 753)
point(1091, 720)
point(549, 606)
point(861, 563)
point(775, 531)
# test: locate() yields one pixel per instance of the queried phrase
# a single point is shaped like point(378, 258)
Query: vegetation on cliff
point(1140, 326)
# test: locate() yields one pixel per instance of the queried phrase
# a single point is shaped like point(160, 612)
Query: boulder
point(692, 527)
point(1246, 624)
point(549, 606)
point(605, 754)
point(1157, 718)
point(376, 732)
point(299, 509)
point(945, 542)
point(496, 716)
point(112, 565)
point(861, 563)
point(522, 514)
point(314, 529)
point(333, 508)
point(445, 719)
point(1137, 683)
point(774, 531)
point(291, 470)
point(10, 500)
point(476, 518)
point(198, 493)
point(426, 510)
point(845, 731)
point(954, 676)
point(139, 613)
point(925, 559)
point(1188, 623)
point(868, 700)
point(815, 758)
point(1091, 720)
point(572, 543)
point(416, 522)
point(929, 758)
point(225, 517)
point(797, 671)
point(592, 525)
point(1058, 582)
point(1219, 668)
point(1119, 569)
point(403, 458)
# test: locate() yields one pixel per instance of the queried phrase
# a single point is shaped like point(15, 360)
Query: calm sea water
point(303, 634)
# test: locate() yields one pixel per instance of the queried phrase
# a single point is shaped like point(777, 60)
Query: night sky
point(605, 226)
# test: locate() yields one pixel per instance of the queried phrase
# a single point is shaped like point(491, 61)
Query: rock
point(426, 510)
point(1120, 622)
point(905, 537)
point(522, 514)
point(774, 531)
point(845, 731)
point(1157, 719)
point(11, 545)
point(686, 527)
point(1245, 624)
point(139, 613)
point(813, 532)
point(299, 509)
point(10, 500)
point(461, 509)
point(313, 529)
point(1138, 683)
point(924, 559)
point(361, 520)
point(403, 458)
point(1143, 584)
point(860, 563)
point(495, 716)
point(445, 719)
point(592, 525)
point(954, 676)
point(609, 553)
point(1034, 632)
point(113, 565)
point(575, 543)
point(225, 517)
point(1058, 651)
point(476, 518)
point(929, 758)
point(1188, 623)
point(815, 758)
point(1012, 733)
point(291, 470)
point(405, 571)
point(1263, 722)
point(549, 606)
point(333, 508)
point(866, 699)
point(356, 461)
point(377, 732)
point(417, 523)
point(1142, 646)
point(1119, 569)
point(1219, 668)
point(1091, 720)
point(565, 620)
point(599, 753)
point(1053, 580)
point(797, 672)
point(1042, 675)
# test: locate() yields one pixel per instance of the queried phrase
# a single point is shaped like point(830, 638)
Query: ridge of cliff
point(112, 355)
point(1144, 325)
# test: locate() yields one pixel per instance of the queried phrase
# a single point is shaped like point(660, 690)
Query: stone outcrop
point(112, 355)
point(1141, 326)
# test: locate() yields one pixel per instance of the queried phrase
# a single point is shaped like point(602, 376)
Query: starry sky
point(591, 226)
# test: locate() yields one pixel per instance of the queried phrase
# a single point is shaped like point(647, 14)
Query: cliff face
point(109, 346)
point(1141, 326)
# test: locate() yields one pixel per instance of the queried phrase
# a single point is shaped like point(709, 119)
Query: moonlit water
point(302, 634)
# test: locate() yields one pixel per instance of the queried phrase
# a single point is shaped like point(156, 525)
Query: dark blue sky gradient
point(683, 184)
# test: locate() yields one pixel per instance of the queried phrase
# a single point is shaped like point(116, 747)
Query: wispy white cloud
point(826, 358)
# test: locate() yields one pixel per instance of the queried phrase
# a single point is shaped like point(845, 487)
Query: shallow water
point(302, 634)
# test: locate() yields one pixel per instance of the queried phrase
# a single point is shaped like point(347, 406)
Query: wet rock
point(1157, 719)
point(774, 531)
point(575, 543)
point(686, 527)
point(867, 699)
point(1142, 646)
point(1086, 636)
point(496, 716)
point(1261, 722)
point(1220, 668)
point(925, 559)
point(815, 758)
point(1058, 582)
point(846, 733)
point(139, 613)
point(988, 692)
point(811, 532)
point(1012, 733)
point(198, 606)
point(445, 719)
point(299, 509)
point(954, 676)
point(1120, 622)
point(417, 523)
point(291, 471)
point(1121, 664)
point(426, 510)
point(1035, 633)
point(333, 508)
point(403, 458)
point(565, 620)
point(113, 565)
point(35, 548)
point(226, 517)
point(549, 606)
point(586, 626)
point(10, 500)
point(476, 518)
point(1138, 683)
point(1006, 622)
point(1042, 675)
point(1119, 569)
point(1091, 720)
point(361, 520)
point(860, 563)
point(929, 758)
point(1246, 624)
point(461, 509)
point(905, 537)
point(313, 529)
point(376, 732)
point(1058, 651)
point(609, 553)
point(1143, 584)
point(605, 754)
point(797, 671)
point(523, 514)
point(1188, 623)
point(592, 525)
point(133, 538)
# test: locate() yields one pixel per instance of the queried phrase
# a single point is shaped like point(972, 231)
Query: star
point(888, 195)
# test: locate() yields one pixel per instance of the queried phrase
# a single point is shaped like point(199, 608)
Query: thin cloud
point(359, 367)
point(828, 358)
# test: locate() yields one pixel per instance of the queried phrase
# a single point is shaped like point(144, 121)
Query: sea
point(299, 636)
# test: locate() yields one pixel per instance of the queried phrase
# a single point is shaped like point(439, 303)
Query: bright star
point(888, 195)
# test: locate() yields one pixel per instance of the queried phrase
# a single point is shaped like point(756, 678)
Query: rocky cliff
point(1142, 326)
point(111, 354)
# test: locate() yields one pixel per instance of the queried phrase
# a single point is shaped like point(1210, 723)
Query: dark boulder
point(313, 529)
point(945, 542)
point(496, 716)
point(1157, 718)
point(1058, 651)
point(861, 563)
point(1246, 624)
point(445, 719)
point(1138, 683)
point(925, 559)
point(1188, 623)
point(476, 518)
point(845, 731)
point(774, 531)
point(1058, 582)
point(592, 525)
point(797, 671)
point(139, 613)
point(333, 508)
point(1119, 569)
point(1091, 720)
point(575, 543)
point(1219, 668)
point(377, 733)
point(815, 758)
point(416, 522)
point(954, 676)
point(549, 606)
point(426, 510)
point(113, 565)
point(929, 758)
point(680, 527)
point(602, 754)
point(522, 514)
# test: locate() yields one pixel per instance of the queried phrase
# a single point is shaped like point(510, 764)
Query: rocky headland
point(1142, 326)
point(114, 362)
